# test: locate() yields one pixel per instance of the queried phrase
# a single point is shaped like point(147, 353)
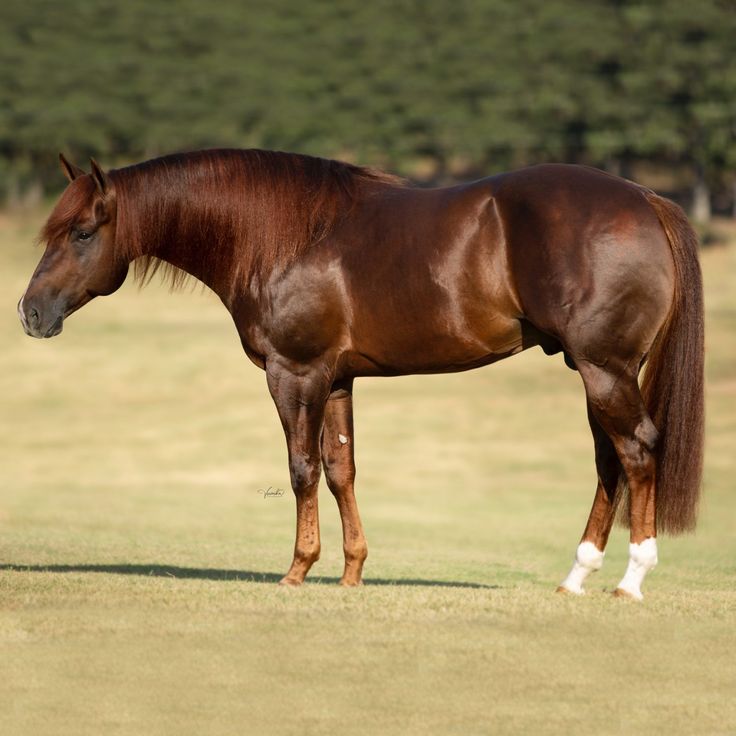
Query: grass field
point(138, 560)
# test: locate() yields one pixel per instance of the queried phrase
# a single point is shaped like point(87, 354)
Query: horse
point(333, 271)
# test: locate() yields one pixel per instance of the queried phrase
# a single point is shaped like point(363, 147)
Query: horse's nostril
point(33, 316)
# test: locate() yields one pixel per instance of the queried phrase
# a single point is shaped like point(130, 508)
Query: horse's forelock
point(68, 210)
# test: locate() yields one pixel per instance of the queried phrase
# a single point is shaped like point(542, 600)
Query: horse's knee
point(304, 471)
point(339, 476)
point(339, 467)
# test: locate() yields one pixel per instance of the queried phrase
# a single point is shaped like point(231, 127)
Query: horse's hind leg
point(589, 554)
point(339, 463)
point(616, 403)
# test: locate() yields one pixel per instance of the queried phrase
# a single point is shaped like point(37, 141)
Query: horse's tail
point(672, 386)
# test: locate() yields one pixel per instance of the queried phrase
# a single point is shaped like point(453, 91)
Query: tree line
point(437, 90)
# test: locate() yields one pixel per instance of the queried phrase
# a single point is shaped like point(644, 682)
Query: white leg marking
point(642, 558)
point(588, 559)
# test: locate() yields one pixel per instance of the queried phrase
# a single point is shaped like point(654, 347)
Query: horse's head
point(80, 260)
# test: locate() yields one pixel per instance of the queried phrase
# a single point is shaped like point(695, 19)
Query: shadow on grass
point(194, 573)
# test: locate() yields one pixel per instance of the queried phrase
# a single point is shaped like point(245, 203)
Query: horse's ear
point(100, 177)
point(71, 171)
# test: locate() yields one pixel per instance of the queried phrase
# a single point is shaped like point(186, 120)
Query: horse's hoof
point(567, 591)
point(290, 582)
point(625, 594)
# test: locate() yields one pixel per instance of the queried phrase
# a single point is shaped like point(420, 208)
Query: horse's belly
point(444, 345)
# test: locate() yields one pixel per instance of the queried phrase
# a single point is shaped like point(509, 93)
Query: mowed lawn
point(138, 558)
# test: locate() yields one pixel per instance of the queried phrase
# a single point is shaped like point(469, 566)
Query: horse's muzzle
point(34, 323)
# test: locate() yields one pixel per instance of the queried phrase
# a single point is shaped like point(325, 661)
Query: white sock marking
point(642, 558)
point(588, 559)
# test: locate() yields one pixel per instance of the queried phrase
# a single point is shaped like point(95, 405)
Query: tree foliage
point(439, 88)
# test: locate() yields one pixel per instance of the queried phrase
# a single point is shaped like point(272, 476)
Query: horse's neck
point(180, 260)
point(193, 254)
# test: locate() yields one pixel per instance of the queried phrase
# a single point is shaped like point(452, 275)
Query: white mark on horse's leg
point(343, 439)
point(588, 559)
point(642, 558)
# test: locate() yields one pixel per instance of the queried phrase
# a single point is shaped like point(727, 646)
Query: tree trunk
point(33, 194)
point(701, 198)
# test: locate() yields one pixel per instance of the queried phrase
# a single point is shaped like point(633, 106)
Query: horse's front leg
point(300, 401)
point(339, 464)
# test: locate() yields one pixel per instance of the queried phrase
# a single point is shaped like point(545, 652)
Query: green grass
point(138, 559)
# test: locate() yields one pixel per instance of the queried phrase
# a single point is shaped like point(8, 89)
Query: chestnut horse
point(331, 271)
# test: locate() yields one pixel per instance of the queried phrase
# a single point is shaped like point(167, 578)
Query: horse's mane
point(233, 214)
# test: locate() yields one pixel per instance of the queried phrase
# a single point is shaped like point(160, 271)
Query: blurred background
point(435, 90)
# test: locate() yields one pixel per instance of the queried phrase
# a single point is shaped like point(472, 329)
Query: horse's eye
point(83, 235)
